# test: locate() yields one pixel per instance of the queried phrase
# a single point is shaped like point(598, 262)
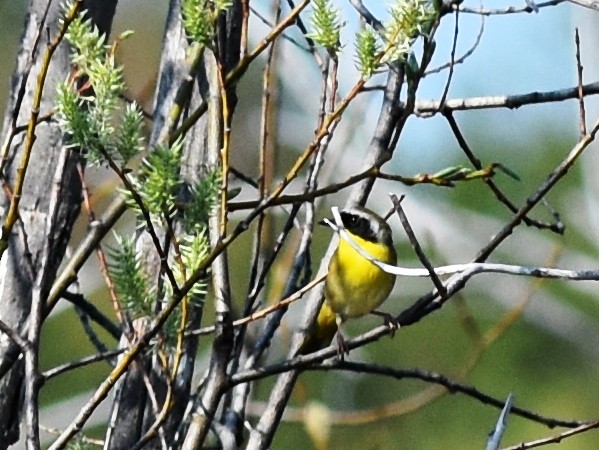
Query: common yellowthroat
point(354, 285)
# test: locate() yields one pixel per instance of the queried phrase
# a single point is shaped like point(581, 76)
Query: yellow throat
point(356, 286)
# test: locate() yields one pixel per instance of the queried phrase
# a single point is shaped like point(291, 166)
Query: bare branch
point(505, 101)
point(591, 4)
point(582, 114)
point(512, 9)
point(558, 438)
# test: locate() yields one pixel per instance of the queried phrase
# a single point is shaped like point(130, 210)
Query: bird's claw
point(342, 348)
point(389, 320)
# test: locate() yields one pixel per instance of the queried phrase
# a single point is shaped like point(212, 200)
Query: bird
point(354, 285)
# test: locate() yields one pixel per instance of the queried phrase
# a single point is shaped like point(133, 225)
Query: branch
point(452, 387)
point(465, 56)
point(416, 245)
point(557, 227)
point(94, 313)
point(13, 211)
point(555, 439)
point(22, 343)
point(308, 363)
point(466, 270)
point(59, 370)
point(512, 9)
point(582, 113)
point(264, 311)
point(98, 229)
point(537, 196)
point(241, 68)
point(591, 4)
point(505, 101)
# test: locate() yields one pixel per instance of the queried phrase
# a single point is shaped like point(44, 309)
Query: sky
point(517, 54)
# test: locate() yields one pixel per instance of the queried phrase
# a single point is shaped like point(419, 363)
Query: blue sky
point(518, 54)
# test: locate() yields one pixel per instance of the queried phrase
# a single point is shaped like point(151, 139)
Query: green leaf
point(367, 50)
point(89, 104)
point(194, 248)
point(201, 200)
point(199, 18)
point(408, 20)
point(128, 277)
point(326, 28)
point(158, 182)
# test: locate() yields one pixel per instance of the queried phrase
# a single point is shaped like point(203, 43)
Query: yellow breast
point(356, 286)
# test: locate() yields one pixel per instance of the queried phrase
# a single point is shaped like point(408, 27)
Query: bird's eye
point(359, 225)
point(349, 219)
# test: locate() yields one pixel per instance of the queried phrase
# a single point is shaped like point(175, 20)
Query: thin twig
point(83, 439)
point(558, 438)
point(557, 227)
point(367, 15)
point(260, 267)
point(59, 370)
point(89, 331)
point(245, 11)
point(508, 10)
point(16, 109)
point(582, 114)
point(307, 362)
point(149, 225)
point(416, 245)
point(99, 251)
point(552, 179)
point(302, 27)
point(22, 343)
point(456, 33)
point(285, 36)
point(443, 178)
point(451, 385)
point(94, 313)
point(465, 56)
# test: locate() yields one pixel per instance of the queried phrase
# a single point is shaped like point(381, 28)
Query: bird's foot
point(389, 320)
point(342, 348)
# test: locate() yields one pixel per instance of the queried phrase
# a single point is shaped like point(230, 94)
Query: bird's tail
point(322, 332)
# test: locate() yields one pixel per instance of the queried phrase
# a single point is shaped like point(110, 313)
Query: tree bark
point(51, 196)
point(196, 162)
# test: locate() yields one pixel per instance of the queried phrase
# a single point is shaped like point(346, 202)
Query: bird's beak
point(331, 221)
point(328, 222)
